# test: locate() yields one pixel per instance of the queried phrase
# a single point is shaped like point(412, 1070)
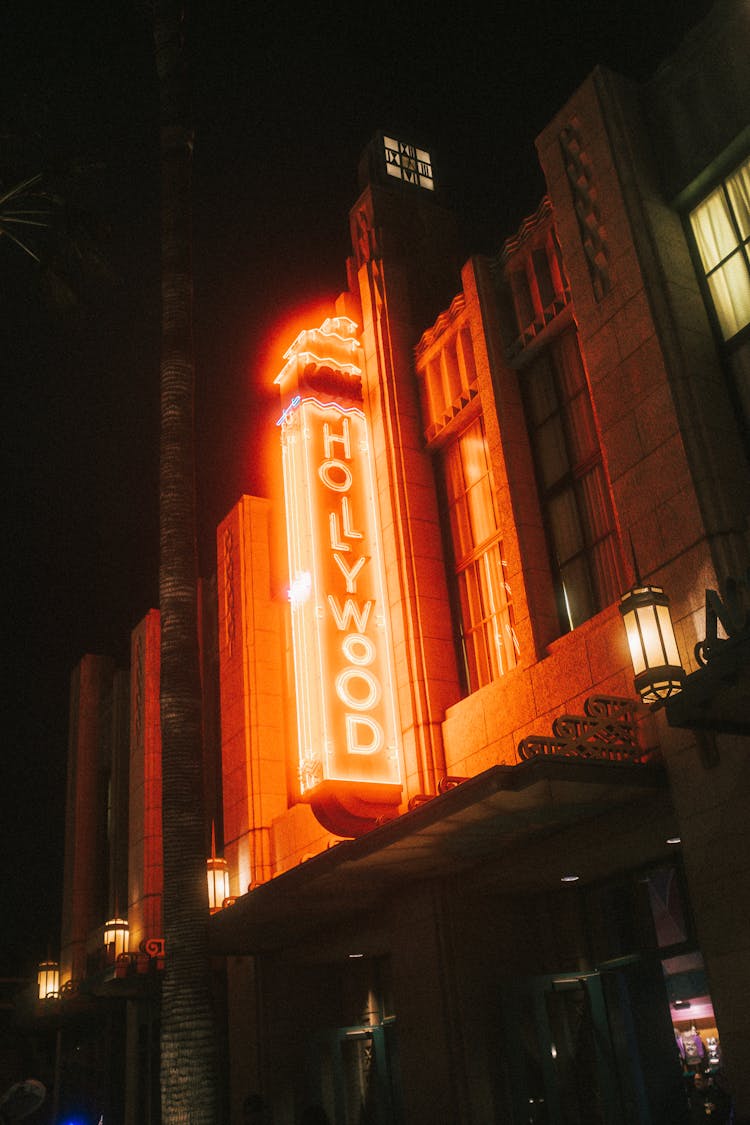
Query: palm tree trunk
point(188, 1040)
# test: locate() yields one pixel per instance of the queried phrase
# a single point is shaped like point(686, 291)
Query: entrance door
point(592, 1049)
point(358, 1074)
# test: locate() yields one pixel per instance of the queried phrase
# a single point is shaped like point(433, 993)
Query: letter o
point(342, 689)
point(358, 649)
point(324, 472)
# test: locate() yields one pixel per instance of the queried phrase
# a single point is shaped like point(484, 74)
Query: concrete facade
point(444, 954)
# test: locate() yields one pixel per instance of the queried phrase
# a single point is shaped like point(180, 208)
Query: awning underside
point(514, 825)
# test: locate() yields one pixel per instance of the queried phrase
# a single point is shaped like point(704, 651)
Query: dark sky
point(283, 105)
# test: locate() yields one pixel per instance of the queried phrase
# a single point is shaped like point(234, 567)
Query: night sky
point(283, 104)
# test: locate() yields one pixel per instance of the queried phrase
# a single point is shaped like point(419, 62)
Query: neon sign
point(346, 714)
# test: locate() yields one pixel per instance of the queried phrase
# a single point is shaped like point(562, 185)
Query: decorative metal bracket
point(732, 610)
point(607, 731)
point(148, 959)
point(153, 947)
point(448, 782)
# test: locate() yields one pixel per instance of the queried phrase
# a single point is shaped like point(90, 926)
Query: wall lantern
point(116, 937)
point(217, 873)
point(653, 648)
point(48, 979)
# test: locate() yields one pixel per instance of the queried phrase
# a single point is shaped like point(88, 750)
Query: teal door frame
point(531, 997)
point(386, 1105)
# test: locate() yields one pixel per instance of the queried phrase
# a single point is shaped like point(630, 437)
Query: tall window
point(486, 614)
point(721, 226)
point(573, 489)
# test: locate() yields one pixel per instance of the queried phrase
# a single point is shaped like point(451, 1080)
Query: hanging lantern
point(217, 872)
point(48, 979)
point(653, 648)
point(116, 937)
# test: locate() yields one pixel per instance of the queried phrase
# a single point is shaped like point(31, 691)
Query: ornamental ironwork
point(731, 610)
point(154, 947)
point(148, 959)
point(607, 731)
point(586, 204)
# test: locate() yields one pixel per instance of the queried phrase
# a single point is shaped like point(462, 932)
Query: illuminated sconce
point(116, 937)
point(48, 979)
point(653, 648)
point(217, 873)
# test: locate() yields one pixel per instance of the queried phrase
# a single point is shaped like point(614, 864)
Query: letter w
point(350, 612)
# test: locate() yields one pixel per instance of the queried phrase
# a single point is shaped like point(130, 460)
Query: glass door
point(358, 1075)
point(560, 1055)
point(592, 1049)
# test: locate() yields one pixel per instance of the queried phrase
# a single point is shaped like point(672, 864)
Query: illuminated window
point(573, 489)
point(486, 614)
point(721, 226)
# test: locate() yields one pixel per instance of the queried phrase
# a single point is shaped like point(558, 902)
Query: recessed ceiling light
point(570, 878)
point(674, 840)
point(353, 955)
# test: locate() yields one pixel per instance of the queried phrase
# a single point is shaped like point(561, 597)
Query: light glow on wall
point(346, 714)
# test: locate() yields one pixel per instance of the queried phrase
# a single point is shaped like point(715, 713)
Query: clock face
point(407, 163)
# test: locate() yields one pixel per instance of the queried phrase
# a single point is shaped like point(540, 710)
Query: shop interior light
point(570, 878)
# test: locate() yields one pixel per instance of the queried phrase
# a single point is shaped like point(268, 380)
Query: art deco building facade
point(472, 876)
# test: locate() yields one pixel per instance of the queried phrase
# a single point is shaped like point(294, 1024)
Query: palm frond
point(25, 205)
point(20, 222)
point(21, 245)
point(20, 188)
point(40, 220)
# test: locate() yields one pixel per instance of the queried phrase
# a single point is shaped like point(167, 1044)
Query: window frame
point(571, 482)
point(740, 250)
point(734, 352)
point(499, 654)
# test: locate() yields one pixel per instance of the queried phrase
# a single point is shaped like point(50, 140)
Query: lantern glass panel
point(672, 656)
point(634, 641)
point(650, 619)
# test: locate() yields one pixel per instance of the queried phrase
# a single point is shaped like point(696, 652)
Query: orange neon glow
point(345, 702)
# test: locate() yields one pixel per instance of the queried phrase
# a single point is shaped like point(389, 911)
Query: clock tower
point(404, 271)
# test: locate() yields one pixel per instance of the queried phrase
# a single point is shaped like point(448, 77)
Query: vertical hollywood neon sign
point(346, 718)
